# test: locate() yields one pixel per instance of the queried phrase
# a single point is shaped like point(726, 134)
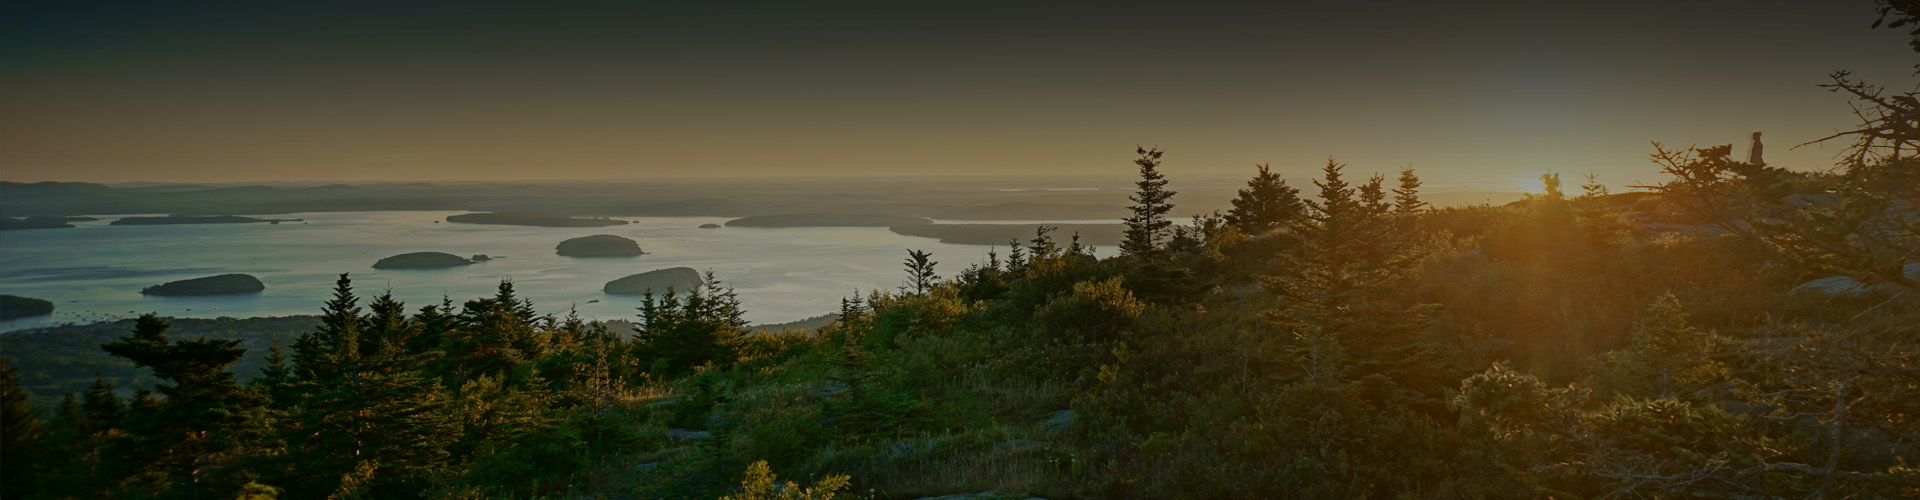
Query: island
point(827, 220)
point(658, 281)
point(15, 306)
point(1000, 234)
point(530, 219)
point(38, 222)
point(193, 219)
point(225, 284)
point(709, 226)
point(599, 245)
point(421, 260)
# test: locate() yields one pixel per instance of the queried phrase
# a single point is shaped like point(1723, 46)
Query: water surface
point(95, 271)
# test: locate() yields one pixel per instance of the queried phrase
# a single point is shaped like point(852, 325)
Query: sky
point(1482, 93)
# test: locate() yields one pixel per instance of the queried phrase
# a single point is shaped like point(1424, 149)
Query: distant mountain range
point(939, 199)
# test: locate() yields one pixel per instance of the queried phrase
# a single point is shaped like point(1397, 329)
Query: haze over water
point(95, 271)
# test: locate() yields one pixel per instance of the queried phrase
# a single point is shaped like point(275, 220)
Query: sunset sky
point(1479, 93)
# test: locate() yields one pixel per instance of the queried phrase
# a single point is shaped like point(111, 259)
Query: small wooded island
point(827, 220)
point(659, 281)
point(39, 222)
point(599, 245)
point(536, 220)
point(15, 306)
point(999, 234)
point(421, 260)
point(193, 219)
point(225, 284)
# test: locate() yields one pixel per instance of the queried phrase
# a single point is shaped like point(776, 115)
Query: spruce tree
point(20, 433)
point(277, 378)
point(678, 332)
point(207, 422)
point(371, 424)
point(1406, 198)
point(1373, 195)
point(920, 275)
point(100, 407)
point(1592, 188)
point(316, 354)
point(387, 324)
point(1149, 224)
point(1266, 204)
point(1347, 258)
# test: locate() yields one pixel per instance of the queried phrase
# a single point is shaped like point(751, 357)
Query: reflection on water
point(95, 271)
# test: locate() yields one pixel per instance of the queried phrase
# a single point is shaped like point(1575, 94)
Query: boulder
point(599, 245)
point(421, 260)
point(709, 226)
point(225, 284)
point(658, 281)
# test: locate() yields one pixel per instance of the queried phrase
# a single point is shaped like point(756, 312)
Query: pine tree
point(1406, 198)
point(920, 275)
point(1149, 224)
point(1266, 204)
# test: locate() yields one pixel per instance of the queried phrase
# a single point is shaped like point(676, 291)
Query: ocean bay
point(95, 272)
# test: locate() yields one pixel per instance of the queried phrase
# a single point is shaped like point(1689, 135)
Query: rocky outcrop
point(657, 281)
point(687, 435)
point(225, 284)
point(421, 260)
point(981, 496)
point(599, 245)
point(1843, 285)
point(1687, 230)
point(1060, 422)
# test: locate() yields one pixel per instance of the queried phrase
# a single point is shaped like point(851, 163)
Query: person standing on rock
point(1753, 156)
